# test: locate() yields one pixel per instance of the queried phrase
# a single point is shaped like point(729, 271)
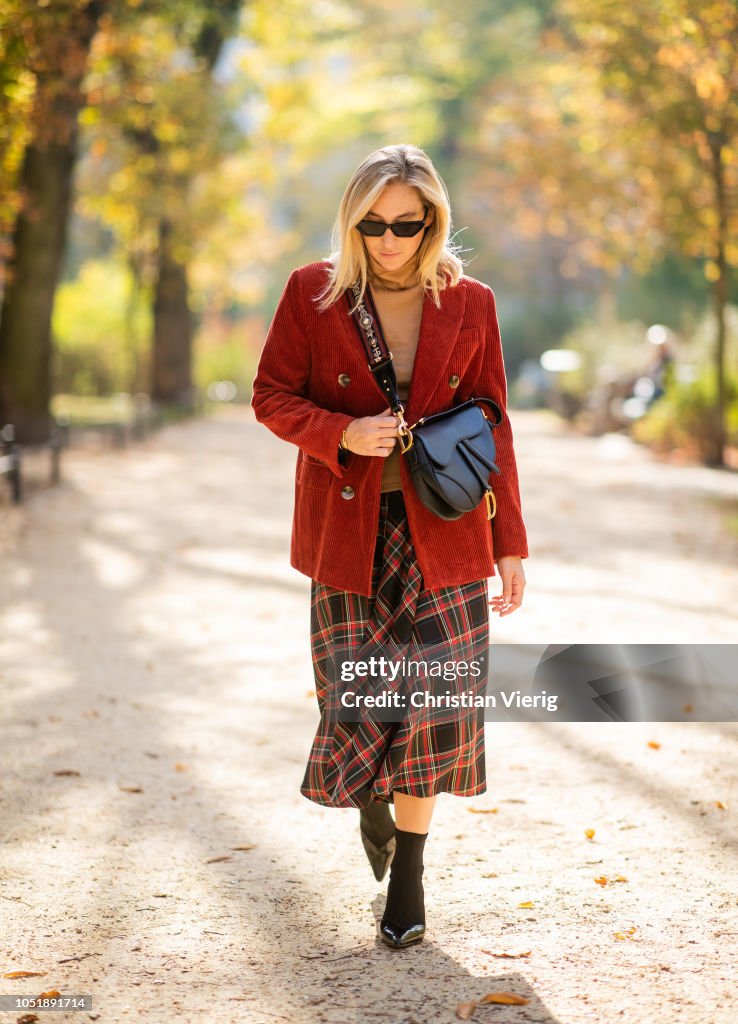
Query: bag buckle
point(490, 511)
point(403, 431)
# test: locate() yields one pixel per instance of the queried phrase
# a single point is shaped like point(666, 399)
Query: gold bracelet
point(344, 443)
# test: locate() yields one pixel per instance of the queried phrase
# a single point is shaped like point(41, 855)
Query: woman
point(384, 568)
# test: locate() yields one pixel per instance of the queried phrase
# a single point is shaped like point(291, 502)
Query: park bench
point(12, 453)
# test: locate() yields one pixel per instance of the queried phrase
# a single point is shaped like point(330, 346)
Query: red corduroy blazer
point(313, 380)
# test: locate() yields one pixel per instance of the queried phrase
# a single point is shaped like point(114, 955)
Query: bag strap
point(379, 357)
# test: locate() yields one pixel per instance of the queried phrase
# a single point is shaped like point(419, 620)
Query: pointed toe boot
point(380, 857)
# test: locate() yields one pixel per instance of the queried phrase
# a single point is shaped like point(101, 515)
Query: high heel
point(397, 938)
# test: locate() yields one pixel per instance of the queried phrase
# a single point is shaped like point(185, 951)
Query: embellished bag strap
point(379, 357)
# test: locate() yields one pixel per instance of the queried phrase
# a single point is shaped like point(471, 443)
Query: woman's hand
point(510, 570)
point(372, 435)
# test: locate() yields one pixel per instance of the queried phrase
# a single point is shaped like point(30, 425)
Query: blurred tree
point(674, 64)
point(619, 137)
point(156, 126)
point(46, 47)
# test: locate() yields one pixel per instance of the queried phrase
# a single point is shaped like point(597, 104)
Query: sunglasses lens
point(374, 228)
point(408, 229)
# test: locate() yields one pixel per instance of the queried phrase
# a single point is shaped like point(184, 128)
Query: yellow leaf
point(528, 905)
point(602, 880)
point(589, 833)
point(24, 974)
point(720, 805)
point(654, 745)
point(482, 810)
point(508, 998)
point(465, 1010)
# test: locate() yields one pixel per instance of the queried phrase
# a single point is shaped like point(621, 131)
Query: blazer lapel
point(438, 331)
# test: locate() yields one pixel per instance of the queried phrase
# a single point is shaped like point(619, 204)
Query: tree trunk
point(716, 456)
point(39, 237)
point(171, 359)
point(171, 366)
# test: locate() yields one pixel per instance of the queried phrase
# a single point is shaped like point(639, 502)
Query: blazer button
point(453, 381)
point(344, 380)
point(347, 492)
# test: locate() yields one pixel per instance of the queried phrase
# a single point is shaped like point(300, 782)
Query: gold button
point(453, 381)
point(344, 380)
point(347, 492)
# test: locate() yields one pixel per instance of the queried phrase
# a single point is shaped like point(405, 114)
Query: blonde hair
point(438, 265)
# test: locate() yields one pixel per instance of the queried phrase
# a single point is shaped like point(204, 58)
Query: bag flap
point(440, 439)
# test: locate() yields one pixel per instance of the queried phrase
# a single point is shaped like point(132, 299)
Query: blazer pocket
point(313, 473)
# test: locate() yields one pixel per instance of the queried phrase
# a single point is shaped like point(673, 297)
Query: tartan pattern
point(351, 763)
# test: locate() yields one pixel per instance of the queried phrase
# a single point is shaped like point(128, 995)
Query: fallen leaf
point(24, 974)
point(65, 771)
point(601, 880)
point(654, 745)
point(490, 874)
point(720, 805)
point(528, 905)
point(251, 846)
point(130, 789)
point(507, 956)
point(53, 993)
point(620, 878)
point(482, 810)
point(589, 833)
point(27, 1018)
point(508, 998)
point(216, 860)
point(181, 767)
point(465, 1010)
point(626, 934)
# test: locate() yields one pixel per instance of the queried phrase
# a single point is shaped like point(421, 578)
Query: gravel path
point(158, 709)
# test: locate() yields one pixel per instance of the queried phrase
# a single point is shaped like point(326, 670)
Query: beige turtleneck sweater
point(400, 313)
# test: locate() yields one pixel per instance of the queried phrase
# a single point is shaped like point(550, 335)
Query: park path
point(157, 710)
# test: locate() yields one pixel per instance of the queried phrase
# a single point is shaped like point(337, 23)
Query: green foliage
point(229, 353)
point(101, 338)
point(682, 418)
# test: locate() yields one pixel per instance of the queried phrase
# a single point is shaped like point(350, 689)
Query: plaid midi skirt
point(353, 762)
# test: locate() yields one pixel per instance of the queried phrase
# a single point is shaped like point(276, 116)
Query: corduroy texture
point(298, 395)
point(352, 762)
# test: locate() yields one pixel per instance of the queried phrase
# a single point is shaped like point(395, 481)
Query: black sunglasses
point(401, 228)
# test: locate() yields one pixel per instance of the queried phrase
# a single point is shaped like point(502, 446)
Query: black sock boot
point(377, 829)
point(403, 921)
